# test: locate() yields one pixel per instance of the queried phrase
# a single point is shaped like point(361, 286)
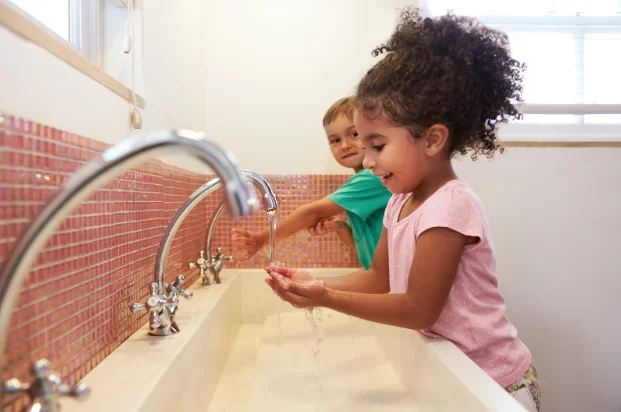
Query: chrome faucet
point(215, 264)
point(269, 201)
point(202, 265)
point(128, 153)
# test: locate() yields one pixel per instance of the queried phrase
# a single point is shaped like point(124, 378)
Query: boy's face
point(345, 146)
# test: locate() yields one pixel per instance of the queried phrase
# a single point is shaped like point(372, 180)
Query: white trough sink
point(241, 349)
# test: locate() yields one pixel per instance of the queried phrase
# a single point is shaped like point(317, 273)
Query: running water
point(272, 218)
point(315, 318)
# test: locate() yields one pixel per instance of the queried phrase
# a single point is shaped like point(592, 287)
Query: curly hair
point(449, 70)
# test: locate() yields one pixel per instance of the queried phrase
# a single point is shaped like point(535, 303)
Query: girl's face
point(393, 154)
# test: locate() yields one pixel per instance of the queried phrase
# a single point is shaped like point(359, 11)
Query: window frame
point(85, 28)
point(579, 25)
point(16, 20)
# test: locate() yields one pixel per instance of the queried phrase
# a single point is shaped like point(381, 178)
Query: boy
point(362, 197)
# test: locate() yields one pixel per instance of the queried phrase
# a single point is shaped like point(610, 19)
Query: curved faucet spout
point(270, 201)
point(128, 153)
point(270, 204)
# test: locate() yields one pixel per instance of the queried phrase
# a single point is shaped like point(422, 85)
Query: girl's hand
point(247, 242)
point(327, 225)
point(299, 288)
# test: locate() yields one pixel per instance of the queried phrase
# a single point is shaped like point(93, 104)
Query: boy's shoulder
point(365, 176)
point(361, 187)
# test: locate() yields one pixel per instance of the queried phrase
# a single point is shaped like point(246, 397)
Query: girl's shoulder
point(452, 195)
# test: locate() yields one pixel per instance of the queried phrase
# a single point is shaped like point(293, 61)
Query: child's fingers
point(279, 281)
point(297, 289)
point(276, 291)
point(277, 284)
point(241, 233)
point(270, 283)
point(296, 300)
point(281, 270)
point(242, 240)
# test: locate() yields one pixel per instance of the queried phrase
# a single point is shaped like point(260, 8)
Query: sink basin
point(242, 349)
point(347, 371)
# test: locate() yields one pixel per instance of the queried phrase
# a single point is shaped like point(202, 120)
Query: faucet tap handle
point(201, 262)
point(154, 304)
point(176, 286)
point(47, 387)
point(221, 256)
point(79, 391)
point(15, 386)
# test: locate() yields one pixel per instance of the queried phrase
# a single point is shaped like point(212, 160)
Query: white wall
point(114, 30)
point(275, 66)
point(556, 226)
point(35, 84)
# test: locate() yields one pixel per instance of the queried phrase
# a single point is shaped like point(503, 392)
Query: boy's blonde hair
point(344, 106)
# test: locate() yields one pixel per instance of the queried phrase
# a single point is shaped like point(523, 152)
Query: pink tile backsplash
point(73, 306)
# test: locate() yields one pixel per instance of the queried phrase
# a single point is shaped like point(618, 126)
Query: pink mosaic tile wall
point(300, 250)
point(73, 306)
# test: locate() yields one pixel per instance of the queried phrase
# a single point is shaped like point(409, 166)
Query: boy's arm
point(303, 217)
point(300, 219)
point(337, 225)
point(344, 233)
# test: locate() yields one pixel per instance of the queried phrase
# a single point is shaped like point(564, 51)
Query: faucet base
point(161, 332)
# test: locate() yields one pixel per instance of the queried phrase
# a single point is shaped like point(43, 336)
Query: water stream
point(272, 219)
point(315, 318)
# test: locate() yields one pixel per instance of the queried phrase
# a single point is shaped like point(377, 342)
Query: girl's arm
point(438, 253)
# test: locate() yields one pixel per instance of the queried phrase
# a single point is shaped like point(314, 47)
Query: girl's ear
point(436, 139)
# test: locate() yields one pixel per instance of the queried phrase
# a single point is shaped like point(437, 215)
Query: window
point(101, 38)
point(572, 49)
point(76, 21)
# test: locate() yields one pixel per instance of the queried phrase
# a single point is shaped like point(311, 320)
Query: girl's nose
point(367, 162)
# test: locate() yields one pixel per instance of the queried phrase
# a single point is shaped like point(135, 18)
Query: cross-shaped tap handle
point(176, 286)
point(220, 255)
point(201, 262)
point(154, 305)
point(47, 387)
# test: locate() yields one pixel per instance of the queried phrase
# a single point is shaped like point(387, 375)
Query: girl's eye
point(378, 147)
point(354, 134)
point(334, 141)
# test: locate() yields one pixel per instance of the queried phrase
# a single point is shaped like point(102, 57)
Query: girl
point(440, 90)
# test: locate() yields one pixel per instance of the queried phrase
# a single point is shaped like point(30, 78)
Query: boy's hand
point(299, 288)
point(247, 242)
point(327, 225)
